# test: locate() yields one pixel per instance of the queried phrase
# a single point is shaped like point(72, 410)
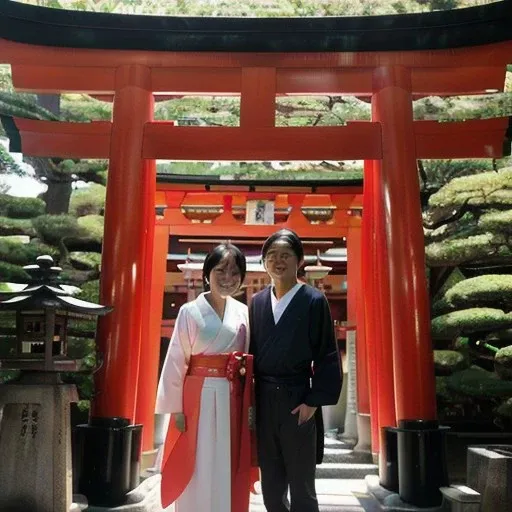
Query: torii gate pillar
point(413, 366)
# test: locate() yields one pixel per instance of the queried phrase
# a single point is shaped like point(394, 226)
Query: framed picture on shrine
point(259, 212)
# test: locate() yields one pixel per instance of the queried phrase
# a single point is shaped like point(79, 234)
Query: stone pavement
point(340, 481)
point(340, 486)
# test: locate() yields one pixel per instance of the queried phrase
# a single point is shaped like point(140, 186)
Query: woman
point(205, 465)
point(297, 370)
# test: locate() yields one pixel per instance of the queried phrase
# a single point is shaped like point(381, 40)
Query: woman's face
point(225, 278)
point(281, 262)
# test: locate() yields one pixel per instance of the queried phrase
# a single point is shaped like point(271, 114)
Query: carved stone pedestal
point(35, 444)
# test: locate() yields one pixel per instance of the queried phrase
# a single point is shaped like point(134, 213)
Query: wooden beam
point(496, 54)
point(98, 80)
point(479, 138)
point(56, 79)
point(357, 140)
point(66, 140)
point(328, 231)
point(258, 100)
point(210, 80)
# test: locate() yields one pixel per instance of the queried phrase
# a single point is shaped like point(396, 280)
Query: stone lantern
point(35, 433)
point(43, 309)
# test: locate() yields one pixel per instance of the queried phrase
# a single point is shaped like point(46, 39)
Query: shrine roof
point(219, 183)
point(455, 28)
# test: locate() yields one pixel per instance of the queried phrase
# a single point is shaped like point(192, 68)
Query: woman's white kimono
point(199, 330)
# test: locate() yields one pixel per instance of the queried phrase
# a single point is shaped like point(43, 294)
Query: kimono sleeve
point(327, 376)
point(169, 397)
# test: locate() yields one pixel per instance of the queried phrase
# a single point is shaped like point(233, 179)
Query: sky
point(21, 187)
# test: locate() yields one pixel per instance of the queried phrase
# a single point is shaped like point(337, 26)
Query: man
point(297, 370)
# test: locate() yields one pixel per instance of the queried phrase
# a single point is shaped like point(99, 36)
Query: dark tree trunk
point(57, 197)
point(59, 191)
point(50, 102)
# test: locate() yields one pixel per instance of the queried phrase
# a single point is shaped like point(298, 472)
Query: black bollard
point(421, 462)
point(388, 459)
point(106, 460)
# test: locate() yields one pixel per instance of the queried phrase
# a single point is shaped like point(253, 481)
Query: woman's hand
point(179, 421)
point(305, 412)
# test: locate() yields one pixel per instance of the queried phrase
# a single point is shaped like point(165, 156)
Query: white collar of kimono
point(279, 306)
point(205, 305)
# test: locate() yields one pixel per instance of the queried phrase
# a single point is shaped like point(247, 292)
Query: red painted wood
point(370, 306)
point(412, 347)
point(124, 248)
point(356, 140)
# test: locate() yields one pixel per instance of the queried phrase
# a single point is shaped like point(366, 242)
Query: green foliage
point(441, 306)
point(496, 221)
point(7, 163)
point(20, 207)
point(479, 384)
point(92, 226)
point(88, 200)
point(447, 362)
point(23, 254)
point(270, 8)
point(84, 349)
point(216, 111)
point(488, 189)
point(81, 108)
point(16, 227)
point(505, 409)
point(85, 260)
point(503, 363)
point(12, 273)
point(487, 290)
point(8, 375)
point(90, 292)
point(255, 171)
point(53, 228)
point(23, 105)
point(441, 172)
point(469, 321)
point(466, 248)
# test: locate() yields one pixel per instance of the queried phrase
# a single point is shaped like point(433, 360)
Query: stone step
point(336, 454)
point(347, 495)
point(345, 470)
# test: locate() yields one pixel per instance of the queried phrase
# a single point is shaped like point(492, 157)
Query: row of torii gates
point(389, 60)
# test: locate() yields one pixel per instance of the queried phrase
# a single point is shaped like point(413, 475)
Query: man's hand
point(179, 420)
point(305, 412)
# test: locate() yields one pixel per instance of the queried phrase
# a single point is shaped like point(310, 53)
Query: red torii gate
point(388, 59)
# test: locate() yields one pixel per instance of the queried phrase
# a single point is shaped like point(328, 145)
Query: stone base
point(364, 435)
point(144, 498)
point(148, 460)
point(461, 498)
point(391, 502)
point(35, 444)
point(490, 473)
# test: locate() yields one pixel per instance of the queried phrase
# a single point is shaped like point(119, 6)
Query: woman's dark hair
point(288, 236)
point(216, 255)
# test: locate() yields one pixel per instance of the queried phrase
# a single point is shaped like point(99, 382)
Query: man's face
point(280, 262)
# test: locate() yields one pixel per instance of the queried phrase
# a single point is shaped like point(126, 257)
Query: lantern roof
point(43, 291)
